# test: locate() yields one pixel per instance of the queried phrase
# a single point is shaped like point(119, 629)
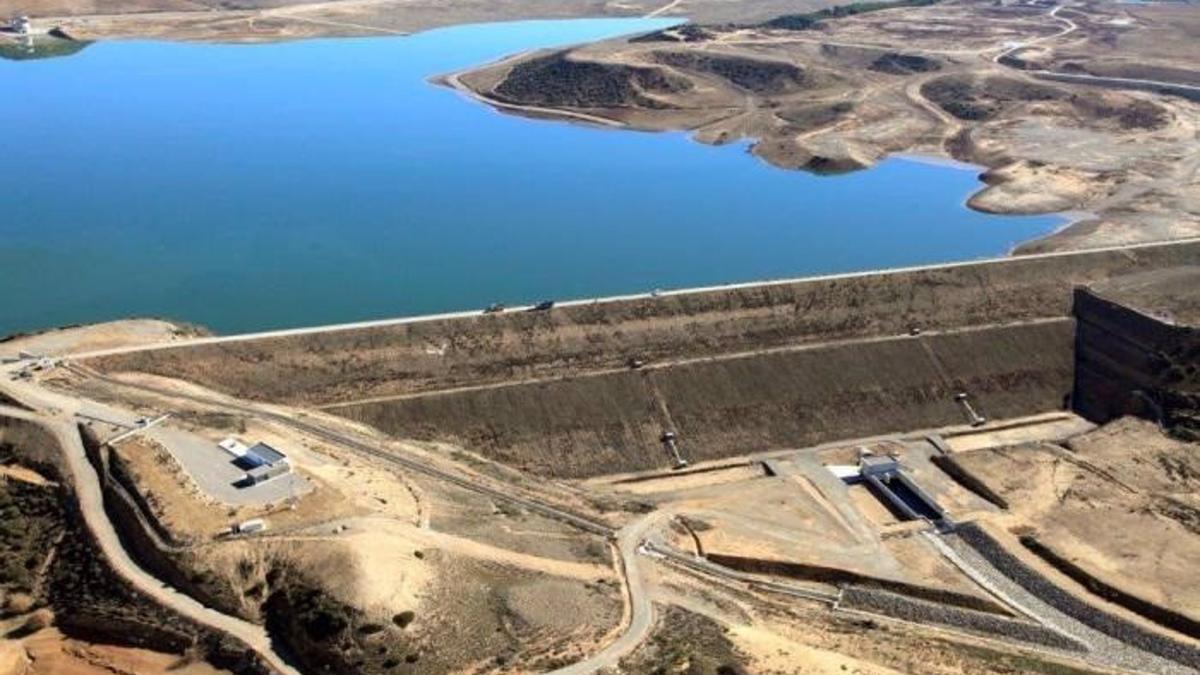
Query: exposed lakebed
point(253, 187)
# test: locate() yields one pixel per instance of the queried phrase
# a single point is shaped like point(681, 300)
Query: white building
point(234, 447)
point(260, 461)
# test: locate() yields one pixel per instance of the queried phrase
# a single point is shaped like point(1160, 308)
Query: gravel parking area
point(215, 473)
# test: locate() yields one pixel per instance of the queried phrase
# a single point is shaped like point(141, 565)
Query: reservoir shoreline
point(299, 210)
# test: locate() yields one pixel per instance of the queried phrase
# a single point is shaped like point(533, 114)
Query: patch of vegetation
point(557, 80)
point(326, 635)
point(984, 99)
point(811, 20)
point(904, 64)
point(637, 506)
point(686, 33)
point(1130, 114)
point(5, 399)
point(29, 445)
point(831, 166)
point(981, 100)
point(31, 522)
point(757, 75)
point(695, 524)
point(403, 619)
point(814, 116)
point(686, 643)
point(47, 47)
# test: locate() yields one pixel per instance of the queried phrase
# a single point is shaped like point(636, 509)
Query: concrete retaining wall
point(1163, 616)
point(968, 480)
point(1129, 363)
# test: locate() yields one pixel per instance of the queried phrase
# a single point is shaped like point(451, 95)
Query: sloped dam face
point(611, 422)
point(730, 371)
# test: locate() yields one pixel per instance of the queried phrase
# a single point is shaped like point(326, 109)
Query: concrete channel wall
point(611, 422)
point(1130, 363)
point(345, 365)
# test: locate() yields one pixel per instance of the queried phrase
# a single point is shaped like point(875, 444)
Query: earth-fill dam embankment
point(731, 371)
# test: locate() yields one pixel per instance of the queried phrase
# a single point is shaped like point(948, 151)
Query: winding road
point(58, 413)
point(91, 504)
point(1069, 27)
point(627, 540)
point(641, 609)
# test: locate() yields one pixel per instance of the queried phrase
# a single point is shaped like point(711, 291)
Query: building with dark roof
point(261, 454)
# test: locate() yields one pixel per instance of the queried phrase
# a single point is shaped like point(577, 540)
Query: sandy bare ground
point(1118, 501)
point(270, 20)
point(963, 80)
point(67, 341)
point(773, 652)
point(23, 474)
point(49, 652)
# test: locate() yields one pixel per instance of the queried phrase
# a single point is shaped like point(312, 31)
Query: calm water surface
point(252, 187)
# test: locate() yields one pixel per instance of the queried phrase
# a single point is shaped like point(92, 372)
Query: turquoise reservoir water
point(252, 187)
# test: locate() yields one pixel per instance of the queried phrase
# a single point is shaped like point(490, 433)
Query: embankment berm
point(732, 371)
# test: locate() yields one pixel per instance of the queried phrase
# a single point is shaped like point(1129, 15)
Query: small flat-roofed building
point(875, 465)
point(261, 454)
point(261, 463)
point(234, 447)
point(846, 472)
point(264, 473)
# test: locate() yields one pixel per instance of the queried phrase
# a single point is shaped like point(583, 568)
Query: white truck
point(249, 526)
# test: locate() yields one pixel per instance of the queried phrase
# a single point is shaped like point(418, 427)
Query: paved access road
point(641, 609)
point(91, 504)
